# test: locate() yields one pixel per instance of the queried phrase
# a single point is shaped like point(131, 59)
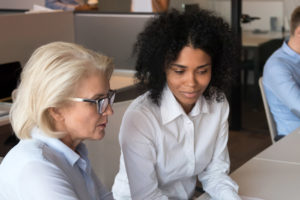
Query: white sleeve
point(43, 181)
point(137, 142)
point(214, 178)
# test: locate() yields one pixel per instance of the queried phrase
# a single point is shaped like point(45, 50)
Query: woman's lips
point(190, 94)
point(102, 125)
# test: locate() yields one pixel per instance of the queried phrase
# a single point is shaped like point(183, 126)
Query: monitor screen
point(9, 78)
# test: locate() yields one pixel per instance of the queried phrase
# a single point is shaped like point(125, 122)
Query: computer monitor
point(9, 78)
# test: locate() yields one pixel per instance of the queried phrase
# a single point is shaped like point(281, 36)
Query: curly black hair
point(167, 34)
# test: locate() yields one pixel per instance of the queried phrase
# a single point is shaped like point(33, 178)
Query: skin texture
point(188, 76)
point(160, 5)
point(294, 41)
point(80, 120)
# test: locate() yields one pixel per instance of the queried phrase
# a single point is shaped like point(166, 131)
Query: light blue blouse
point(45, 168)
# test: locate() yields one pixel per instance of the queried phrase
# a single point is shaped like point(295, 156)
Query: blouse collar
point(171, 109)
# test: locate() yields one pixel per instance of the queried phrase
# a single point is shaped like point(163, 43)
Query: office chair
point(270, 119)
point(105, 154)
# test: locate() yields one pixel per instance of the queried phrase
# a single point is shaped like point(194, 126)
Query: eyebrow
point(98, 96)
point(184, 67)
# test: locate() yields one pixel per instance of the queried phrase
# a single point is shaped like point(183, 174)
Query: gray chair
point(270, 119)
point(104, 155)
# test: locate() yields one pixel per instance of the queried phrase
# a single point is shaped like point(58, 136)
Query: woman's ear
point(56, 114)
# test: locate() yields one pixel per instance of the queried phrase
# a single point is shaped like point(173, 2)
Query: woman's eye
point(202, 72)
point(178, 71)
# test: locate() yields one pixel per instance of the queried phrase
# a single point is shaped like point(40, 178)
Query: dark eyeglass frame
point(101, 103)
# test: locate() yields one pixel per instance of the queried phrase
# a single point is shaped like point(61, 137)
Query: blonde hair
point(47, 80)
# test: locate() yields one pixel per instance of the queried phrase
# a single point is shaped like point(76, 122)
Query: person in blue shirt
point(64, 97)
point(281, 81)
point(68, 5)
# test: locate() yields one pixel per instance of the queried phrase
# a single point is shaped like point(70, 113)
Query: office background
point(25, 32)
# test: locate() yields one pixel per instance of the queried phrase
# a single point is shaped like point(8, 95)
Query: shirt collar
point(290, 51)
point(56, 144)
point(170, 108)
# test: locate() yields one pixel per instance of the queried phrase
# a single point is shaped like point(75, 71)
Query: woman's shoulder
point(143, 105)
point(22, 159)
point(26, 151)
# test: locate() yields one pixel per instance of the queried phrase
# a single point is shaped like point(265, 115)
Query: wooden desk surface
point(121, 79)
point(250, 39)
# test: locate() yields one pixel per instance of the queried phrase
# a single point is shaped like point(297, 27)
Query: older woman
point(64, 98)
point(178, 130)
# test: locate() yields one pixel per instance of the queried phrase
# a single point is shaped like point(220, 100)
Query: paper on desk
point(38, 9)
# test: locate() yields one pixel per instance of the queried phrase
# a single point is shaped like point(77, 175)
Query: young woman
point(178, 130)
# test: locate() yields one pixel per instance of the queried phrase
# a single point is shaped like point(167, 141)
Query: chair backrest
point(104, 155)
point(270, 119)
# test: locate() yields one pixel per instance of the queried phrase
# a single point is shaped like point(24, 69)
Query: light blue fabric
point(281, 81)
point(45, 168)
point(62, 4)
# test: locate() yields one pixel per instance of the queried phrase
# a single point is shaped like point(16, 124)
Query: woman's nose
point(108, 111)
point(191, 79)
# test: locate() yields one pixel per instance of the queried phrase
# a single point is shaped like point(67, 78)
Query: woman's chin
point(99, 135)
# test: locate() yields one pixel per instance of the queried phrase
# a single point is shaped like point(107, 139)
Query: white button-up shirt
point(44, 168)
point(164, 150)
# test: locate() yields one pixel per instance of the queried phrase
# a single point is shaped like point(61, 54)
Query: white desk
point(273, 174)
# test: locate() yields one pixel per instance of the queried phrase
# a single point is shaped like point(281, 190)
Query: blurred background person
point(64, 97)
point(69, 5)
point(281, 81)
point(149, 5)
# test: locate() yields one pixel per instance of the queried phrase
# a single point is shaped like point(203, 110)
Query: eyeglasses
point(101, 103)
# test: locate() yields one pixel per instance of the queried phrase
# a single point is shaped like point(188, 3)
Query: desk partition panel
point(22, 33)
point(111, 34)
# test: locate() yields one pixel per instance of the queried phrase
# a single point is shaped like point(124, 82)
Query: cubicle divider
point(113, 34)
point(109, 33)
point(22, 33)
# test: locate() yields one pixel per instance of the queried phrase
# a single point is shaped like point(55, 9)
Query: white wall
point(20, 4)
point(265, 9)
